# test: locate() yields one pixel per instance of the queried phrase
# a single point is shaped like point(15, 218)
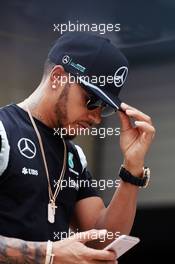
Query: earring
point(54, 85)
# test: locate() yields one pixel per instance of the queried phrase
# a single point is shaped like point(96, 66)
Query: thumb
point(89, 235)
point(124, 121)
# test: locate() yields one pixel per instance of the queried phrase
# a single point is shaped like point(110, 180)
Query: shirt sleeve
point(88, 186)
point(4, 149)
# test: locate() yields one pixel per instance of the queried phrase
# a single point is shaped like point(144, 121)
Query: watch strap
point(143, 181)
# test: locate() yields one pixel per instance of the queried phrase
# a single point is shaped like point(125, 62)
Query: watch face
point(147, 174)
point(147, 171)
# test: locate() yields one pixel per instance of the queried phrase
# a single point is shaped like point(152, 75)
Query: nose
point(95, 116)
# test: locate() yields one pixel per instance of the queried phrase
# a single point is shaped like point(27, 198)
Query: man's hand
point(135, 141)
point(73, 250)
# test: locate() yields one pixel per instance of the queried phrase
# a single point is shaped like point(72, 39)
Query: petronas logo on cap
point(67, 60)
point(70, 160)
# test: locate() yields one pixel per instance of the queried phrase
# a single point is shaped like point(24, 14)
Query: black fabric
point(23, 186)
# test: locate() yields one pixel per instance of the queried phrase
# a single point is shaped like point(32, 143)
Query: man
point(34, 162)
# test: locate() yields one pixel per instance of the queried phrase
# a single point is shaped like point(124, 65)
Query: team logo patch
point(70, 160)
point(67, 60)
point(27, 148)
point(120, 76)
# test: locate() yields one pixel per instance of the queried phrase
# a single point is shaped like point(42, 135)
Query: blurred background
point(147, 37)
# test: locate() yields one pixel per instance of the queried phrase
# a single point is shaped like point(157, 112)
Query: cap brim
point(108, 98)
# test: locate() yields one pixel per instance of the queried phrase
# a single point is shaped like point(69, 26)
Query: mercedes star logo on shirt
point(27, 148)
point(120, 76)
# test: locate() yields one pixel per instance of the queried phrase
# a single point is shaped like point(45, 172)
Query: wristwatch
point(143, 181)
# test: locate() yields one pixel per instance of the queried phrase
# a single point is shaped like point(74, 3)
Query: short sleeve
point(87, 184)
point(4, 149)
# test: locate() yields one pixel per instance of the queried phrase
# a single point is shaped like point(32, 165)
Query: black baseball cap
point(91, 59)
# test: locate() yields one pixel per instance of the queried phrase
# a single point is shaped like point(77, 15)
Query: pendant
point(51, 212)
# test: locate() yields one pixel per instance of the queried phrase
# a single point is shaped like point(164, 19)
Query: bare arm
point(117, 218)
point(134, 143)
point(71, 250)
point(17, 251)
point(120, 214)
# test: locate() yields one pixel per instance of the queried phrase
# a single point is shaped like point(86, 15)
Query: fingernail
point(129, 111)
point(123, 105)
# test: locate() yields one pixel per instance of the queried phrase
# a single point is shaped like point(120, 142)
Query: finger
point(103, 262)
point(124, 121)
point(137, 114)
point(89, 235)
point(149, 130)
point(125, 106)
point(104, 255)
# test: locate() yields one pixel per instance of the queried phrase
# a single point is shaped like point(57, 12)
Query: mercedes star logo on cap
point(120, 76)
point(66, 59)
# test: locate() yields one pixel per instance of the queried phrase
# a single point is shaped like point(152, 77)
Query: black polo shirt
point(23, 182)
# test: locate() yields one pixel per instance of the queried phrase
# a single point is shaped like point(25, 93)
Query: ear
point(56, 73)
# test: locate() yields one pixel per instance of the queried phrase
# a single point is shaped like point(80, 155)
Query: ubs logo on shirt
point(26, 171)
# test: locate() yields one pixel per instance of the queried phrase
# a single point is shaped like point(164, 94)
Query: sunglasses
point(94, 102)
